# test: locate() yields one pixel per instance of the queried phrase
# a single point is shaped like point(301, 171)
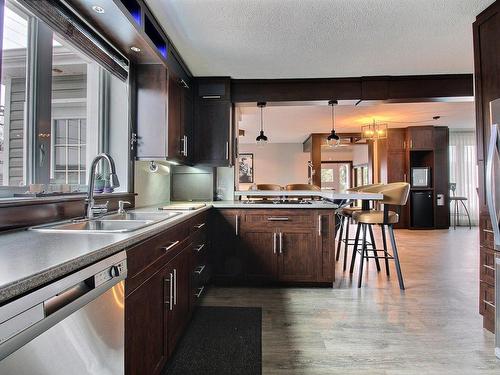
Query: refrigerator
point(493, 202)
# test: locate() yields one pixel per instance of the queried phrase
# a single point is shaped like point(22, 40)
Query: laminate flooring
point(433, 327)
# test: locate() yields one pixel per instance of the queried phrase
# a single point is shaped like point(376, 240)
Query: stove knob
point(114, 271)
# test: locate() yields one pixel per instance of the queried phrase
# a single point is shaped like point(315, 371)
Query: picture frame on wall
point(245, 168)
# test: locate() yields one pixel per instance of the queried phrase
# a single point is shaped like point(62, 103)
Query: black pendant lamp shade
point(333, 139)
point(261, 138)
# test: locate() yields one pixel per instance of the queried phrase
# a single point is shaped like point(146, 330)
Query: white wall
point(359, 155)
point(277, 163)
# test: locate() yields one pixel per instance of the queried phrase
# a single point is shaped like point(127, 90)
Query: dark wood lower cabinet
point(297, 255)
point(146, 326)
point(159, 294)
point(258, 249)
point(275, 245)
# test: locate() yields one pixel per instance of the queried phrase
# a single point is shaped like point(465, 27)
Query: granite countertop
point(247, 204)
point(29, 259)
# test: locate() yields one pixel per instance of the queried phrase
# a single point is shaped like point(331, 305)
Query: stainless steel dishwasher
point(74, 325)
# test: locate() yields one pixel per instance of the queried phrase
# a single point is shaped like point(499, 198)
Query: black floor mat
point(219, 341)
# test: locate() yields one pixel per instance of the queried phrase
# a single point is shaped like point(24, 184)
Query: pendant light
point(261, 138)
point(333, 139)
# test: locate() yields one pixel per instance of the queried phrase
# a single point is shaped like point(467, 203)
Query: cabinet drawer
point(486, 236)
point(142, 256)
point(198, 223)
point(280, 218)
point(486, 299)
point(487, 265)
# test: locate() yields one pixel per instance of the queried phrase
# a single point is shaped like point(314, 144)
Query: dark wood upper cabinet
point(164, 115)
point(396, 140)
point(213, 130)
point(420, 137)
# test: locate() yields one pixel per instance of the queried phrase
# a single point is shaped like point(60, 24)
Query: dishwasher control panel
point(111, 272)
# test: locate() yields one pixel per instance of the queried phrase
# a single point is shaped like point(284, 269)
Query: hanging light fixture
point(333, 140)
point(374, 131)
point(261, 138)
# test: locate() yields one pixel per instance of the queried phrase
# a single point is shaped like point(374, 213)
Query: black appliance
point(422, 210)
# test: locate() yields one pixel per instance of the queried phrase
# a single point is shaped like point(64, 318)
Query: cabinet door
point(145, 326)
point(421, 138)
point(175, 138)
point(297, 255)
point(178, 315)
point(152, 125)
point(226, 255)
point(213, 132)
point(259, 247)
point(396, 140)
point(396, 166)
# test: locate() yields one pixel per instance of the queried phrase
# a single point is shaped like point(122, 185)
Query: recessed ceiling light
point(98, 9)
point(135, 49)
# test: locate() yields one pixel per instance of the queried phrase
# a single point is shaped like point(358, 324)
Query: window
point(335, 176)
point(58, 113)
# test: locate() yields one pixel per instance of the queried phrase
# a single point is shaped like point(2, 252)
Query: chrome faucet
point(91, 207)
point(310, 172)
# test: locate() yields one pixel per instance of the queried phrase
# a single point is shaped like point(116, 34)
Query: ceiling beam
point(385, 88)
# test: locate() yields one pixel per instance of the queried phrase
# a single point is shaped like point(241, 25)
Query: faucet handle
point(121, 205)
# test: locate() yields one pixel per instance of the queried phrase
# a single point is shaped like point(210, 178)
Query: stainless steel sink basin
point(96, 226)
point(112, 223)
point(154, 216)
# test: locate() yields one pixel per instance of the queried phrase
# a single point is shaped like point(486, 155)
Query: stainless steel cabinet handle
point(170, 301)
point(274, 243)
point(185, 146)
point(211, 97)
point(198, 249)
point(236, 224)
point(489, 267)
point(227, 150)
point(277, 218)
point(281, 243)
point(493, 148)
point(404, 145)
point(167, 248)
point(488, 231)
point(200, 269)
point(404, 177)
point(200, 290)
point(489, 303)
point(411, 143)
point(319, 225)
point(199, 226)
point(175, 287)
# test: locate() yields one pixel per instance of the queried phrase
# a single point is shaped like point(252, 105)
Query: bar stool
point(345, 217)
point(395, 194)
point(456, 207)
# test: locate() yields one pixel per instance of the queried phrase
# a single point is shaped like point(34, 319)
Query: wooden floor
point(431, 328)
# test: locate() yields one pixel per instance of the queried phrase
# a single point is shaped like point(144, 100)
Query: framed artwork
point(245, 168)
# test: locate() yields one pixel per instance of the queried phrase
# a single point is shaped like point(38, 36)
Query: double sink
point(111, 223)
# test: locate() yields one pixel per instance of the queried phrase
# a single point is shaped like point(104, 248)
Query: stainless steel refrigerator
point(493, 202)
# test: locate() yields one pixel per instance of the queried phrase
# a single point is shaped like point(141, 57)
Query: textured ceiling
point(321, 38)
point(293, 124)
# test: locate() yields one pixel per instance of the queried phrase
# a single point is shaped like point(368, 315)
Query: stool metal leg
point(346, 242)
point(384, 242)
point(355, 248)
point(396, 257)
point(363, 250)
point(467, 212)
point(374, 246)
point(339, 243)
